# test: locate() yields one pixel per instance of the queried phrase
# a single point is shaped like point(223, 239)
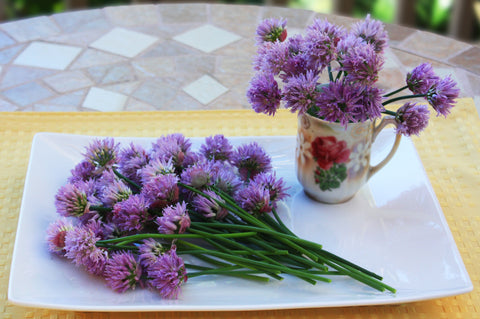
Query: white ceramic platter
point(394, 227)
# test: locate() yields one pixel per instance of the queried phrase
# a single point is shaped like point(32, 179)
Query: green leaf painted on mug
point(330, 179)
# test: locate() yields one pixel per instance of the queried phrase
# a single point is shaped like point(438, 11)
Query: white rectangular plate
point(394, 226)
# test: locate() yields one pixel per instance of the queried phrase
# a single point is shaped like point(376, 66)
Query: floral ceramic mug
point(333, 161)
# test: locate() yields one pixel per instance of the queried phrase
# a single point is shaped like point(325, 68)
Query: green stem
point(311, 278)
point(330, 75)
point(298, 240)
point(396, 91)
point(395, 99)
point(388, 112)
point(133, 238)
point(126, 179)
point(100, 209)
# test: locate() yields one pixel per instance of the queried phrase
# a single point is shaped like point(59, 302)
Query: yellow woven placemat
point(449, 149)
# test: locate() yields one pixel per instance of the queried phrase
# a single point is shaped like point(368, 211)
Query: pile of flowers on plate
point(141, 218)
point(288, 71)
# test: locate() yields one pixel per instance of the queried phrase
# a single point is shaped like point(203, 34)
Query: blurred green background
point(431, 15)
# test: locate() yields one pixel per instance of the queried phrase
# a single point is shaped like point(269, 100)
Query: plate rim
point(182, 307)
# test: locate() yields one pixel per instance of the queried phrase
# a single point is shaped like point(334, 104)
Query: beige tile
point(133, 15)
point(48, 55)
point(235, 64)
point(469, 60)
point(73, 99)
point(80, 39)
point(246, 18)
point(124, 42)
point(16, 75)
point(135, 105)
point(205, 89)
point(118, 73)
point(195, 64)
point(156, 93)
point(207, 38)
point(156, 66)
point(44, 107)
point(410, 60)
point(168, 48)
point(182, 102)
point(126, 88)
point(92, 57)
point(431, 45)
point(397, 33)
point(80, 21)
point(7, 106)
point(7, 55)
point(68, 81)
point(5, 40)
point(30, 29)
point(27, 94)
point(230, 101)
point(295, 18)
point(183, 13)
point(104, 100)
point(474, 82)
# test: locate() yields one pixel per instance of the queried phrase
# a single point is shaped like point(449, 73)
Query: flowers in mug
point(288, 72)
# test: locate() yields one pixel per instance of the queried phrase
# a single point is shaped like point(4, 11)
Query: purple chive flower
point(155, 168)
point(271, 30)
point(102, 152)
point(251, 159)
point(174, 219)
point(122, 271)
point(321, 42)
point(99, 228)
point(298, 60)
point(225, 179)
point(173, 147)
point(198, 175)
point(115, 191)
point(131, 160)
point(412, 118)
point(149, 251)
point(271, 57)
point(81, 249)
point(348, 42)
point(161, 190)
point(337, 100)
point(75, 199)
point(264, 94)
point(421, 79)
point(372, 32)
point(362, 64)
point(209, 206)
point(255, 199)
point(83, 171)
point(131, 214)
point(300, 92)
point(370, 105)
point(217, 148)
point(276, 187)
point(56, 233)
point(168, 274)
point(442, 95)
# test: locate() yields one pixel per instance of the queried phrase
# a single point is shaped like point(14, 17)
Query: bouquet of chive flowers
point(353, 60)
point(131, 216)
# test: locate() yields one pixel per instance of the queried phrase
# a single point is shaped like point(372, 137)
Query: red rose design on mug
point(328, 151)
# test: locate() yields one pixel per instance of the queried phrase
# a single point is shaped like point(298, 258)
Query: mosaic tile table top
point(176, 57)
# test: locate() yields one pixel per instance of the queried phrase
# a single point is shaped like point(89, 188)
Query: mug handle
point(376, 130)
